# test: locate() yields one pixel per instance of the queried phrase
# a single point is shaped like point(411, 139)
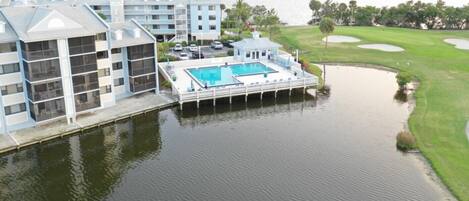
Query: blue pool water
point(226, 75)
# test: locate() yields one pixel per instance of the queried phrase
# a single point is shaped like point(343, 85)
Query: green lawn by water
point(439, 120)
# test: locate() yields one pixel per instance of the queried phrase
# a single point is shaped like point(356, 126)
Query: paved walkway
point(123, 109)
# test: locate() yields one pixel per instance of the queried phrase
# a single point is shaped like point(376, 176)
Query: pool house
point(257, 67)
point(255, 48)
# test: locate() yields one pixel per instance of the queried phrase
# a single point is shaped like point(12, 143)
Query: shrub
point(166, 58)
point(403, 78)
point(166, 84)
point(225, 38)
point(405, 141)
point(230, 52)
point(184, 43)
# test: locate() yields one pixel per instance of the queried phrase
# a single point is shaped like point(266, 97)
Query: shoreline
point(422, 162)
point(124, 109)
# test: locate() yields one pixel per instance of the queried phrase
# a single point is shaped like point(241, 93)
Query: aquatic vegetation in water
point(405, 141)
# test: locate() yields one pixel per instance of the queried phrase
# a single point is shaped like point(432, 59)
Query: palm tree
point(327, 26)
point(242, 11)
point(315, 6)
point(342, 10)
point(353, 8)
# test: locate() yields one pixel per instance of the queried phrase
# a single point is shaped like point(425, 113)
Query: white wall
point(67, 83)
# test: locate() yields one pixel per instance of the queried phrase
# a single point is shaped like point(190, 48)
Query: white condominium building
point(60, 60)
point(168, 20)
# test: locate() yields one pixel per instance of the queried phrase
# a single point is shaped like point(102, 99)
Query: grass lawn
point(442, 110)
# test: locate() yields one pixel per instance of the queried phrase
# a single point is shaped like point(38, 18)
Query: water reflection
point(84, 167)
point(401, 95)
point(253, 108)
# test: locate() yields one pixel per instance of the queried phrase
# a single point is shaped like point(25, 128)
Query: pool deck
point(282, 79)
point(124, 109)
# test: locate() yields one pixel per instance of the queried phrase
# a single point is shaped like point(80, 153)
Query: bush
point(405, 141)
point(165, 58)
point(184, 43)
point(403, 78)
point(230, 52)
point(196, 42)
point(225, 38)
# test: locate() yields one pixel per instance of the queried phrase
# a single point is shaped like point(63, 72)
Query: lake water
point(340, 147)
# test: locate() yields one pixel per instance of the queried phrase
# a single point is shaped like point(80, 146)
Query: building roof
point(9, 35)
point(38, 23)
point(255, 43)
point(128, 36)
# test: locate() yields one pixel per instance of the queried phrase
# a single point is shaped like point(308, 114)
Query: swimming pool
point(214, 76)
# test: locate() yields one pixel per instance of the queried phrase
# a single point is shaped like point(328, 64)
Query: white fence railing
point(214, 93)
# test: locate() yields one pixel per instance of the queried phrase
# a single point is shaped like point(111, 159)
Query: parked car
point(178, 47)
point(183, 56)
point(195, 55)
point(193, 48)
point(228, 43)
point(216, 45)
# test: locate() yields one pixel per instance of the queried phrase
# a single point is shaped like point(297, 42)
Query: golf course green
point(442, 99)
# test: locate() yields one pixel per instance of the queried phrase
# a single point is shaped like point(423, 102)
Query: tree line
point(241, 16)
point(411, 14)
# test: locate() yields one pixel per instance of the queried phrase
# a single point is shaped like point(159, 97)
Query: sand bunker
point(467, 130)
point(459, 43)
point(382, 47)
point(341, 39)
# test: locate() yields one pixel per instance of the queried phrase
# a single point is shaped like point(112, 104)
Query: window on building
point(156, 7)
point(101, 37)
point(85, 82)
point(171, 26)
point(47, 110)
point(170, 7)
point(239, 52)
point(102, 55)
point(12, 89)
point(213, 27)
point(41, 50)
point(83, 63)
point(81, 45)
point(248, 54)
point(117, 66)
point(13, 109)
point(212, 17)
point(119, 82)
point(97, 7)
point(9, 68)
point(7, 47)
point(200, 17)
point(105, 89)
point(200, 27)
point(116, 50)
point(264, 53)
point(156, 26)
point(211, 7)
point(104, 72)
point(41, 70)
point(170, 17)
point(140, 51)
point(155, 17)
point(199, 7)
